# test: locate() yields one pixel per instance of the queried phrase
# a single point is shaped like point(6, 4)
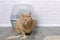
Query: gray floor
point(39, 33)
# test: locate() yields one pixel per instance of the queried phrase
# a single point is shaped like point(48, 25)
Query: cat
point(26, 24)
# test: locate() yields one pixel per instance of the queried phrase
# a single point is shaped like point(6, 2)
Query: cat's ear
point(22, 15)
point(30, 13)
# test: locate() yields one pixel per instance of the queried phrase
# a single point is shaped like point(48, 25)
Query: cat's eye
point(28, 16)
point(25, 19)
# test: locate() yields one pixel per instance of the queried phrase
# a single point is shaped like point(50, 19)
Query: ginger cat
point(25, 24)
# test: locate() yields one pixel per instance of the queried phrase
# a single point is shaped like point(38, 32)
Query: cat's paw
point(24, 37)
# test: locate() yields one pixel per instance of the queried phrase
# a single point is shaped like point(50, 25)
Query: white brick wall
point(47, 11)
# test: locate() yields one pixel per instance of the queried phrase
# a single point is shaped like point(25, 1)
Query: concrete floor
point(39, 33)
